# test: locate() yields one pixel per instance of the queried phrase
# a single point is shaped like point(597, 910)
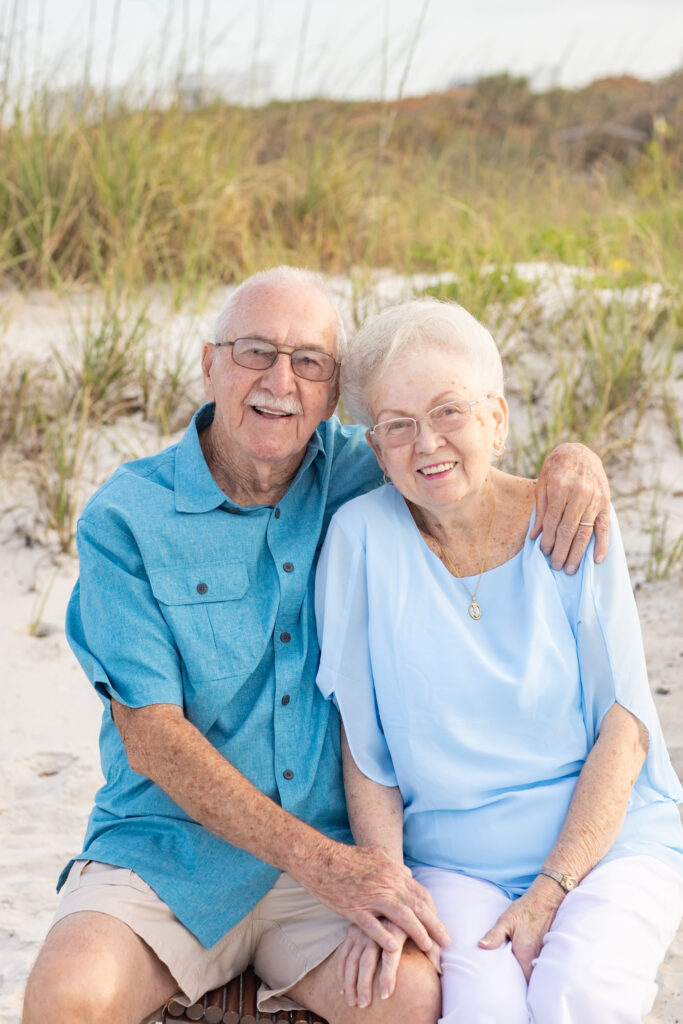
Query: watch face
point(568, 883)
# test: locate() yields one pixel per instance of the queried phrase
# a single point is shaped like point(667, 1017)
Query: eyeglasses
point(443, 419)
point(256, 354)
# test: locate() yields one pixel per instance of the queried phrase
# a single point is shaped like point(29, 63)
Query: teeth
point(440, 468)
point(271, 412)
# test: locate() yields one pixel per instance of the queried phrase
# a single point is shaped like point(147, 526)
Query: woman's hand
point(526, 922)
point(361, 960)
point(359, 957)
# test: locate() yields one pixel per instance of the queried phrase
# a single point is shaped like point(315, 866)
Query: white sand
point(49, 717)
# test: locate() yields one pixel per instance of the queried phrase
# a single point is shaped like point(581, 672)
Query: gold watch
point(566, 881)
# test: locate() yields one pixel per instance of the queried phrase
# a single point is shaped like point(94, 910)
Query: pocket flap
point(203, 583)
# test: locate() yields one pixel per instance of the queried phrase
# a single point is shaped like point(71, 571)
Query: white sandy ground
point(49, 717)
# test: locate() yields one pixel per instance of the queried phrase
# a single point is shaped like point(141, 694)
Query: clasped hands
point(365, 968)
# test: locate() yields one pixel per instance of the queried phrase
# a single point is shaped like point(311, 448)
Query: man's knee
point(59, 989)
point(93, 969)
point(417, 997)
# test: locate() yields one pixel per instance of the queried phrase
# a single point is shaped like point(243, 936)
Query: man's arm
point(572, 491)
point(360, 884)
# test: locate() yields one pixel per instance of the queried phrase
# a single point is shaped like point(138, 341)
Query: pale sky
point(340, 48)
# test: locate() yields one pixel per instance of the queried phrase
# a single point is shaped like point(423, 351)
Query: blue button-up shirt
point(186, 598)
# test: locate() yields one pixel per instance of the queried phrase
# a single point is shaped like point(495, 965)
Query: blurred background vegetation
point(555, 217)
point(97, 191)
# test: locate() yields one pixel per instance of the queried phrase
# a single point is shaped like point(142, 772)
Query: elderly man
point(220, 836)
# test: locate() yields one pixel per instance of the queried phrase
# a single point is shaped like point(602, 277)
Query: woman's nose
point(428, 439)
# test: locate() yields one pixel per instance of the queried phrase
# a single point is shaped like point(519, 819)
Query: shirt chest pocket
point(208, 609)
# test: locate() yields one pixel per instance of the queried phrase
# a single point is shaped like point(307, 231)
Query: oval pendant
point(475, 610)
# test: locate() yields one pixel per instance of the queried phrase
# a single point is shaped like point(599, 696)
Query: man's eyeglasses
point(256, 354)
point(443, 419)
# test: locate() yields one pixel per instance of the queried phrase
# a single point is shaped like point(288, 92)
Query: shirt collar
point(195, 488)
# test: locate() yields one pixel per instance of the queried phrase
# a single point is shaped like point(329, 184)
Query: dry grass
point(471, 183)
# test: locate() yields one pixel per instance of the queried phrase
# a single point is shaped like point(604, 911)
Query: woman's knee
point(487, 987)
point(587, 989)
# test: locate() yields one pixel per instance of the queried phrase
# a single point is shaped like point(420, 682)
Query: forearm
point(593, 822)
point(362, 884)
point(164, 746)
point(598, 808)
point(375, 811)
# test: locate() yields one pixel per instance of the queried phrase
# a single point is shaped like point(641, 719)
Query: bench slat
point(234, 1003)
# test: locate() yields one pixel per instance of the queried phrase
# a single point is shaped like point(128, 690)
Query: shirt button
point(202, 588)
point(288, 567)
point(277, 513)
point(288, 774)
point(286, 699)
point(285, 637)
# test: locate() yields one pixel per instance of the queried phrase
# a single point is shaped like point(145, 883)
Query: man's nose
point(280, 377)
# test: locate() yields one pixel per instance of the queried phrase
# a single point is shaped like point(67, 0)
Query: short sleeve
point(345, 674)
point(612, 658)
point(114, 624)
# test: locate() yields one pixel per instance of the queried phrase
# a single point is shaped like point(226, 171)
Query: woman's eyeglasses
point(442, 419)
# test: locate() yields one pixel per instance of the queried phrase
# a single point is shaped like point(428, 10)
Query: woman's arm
point(376, 817)
point(594, 819)
point(375, 811)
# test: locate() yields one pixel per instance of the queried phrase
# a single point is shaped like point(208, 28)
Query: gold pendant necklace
point(474, 608)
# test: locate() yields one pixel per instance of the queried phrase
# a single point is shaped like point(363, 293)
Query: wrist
point(565, 881)
point(308, 855)
point(546, 892)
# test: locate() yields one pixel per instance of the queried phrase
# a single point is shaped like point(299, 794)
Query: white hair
point(382, 340)
point(287, 278)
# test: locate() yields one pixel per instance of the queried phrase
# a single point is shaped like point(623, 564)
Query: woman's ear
point(501, 417)
point(375, 447)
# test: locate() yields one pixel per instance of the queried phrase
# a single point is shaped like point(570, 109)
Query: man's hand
point(526, 922)
point(572, 490)
point(365, 885)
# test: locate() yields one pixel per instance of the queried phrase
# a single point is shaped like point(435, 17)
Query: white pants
point(598, 962)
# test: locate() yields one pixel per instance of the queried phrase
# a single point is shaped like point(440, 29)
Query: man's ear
point(208, 356)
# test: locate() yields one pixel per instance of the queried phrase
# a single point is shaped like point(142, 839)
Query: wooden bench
point(234, 1003)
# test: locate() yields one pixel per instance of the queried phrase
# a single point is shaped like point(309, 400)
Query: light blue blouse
point(484, 725)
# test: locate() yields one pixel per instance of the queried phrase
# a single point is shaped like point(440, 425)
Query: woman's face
point(436, 469)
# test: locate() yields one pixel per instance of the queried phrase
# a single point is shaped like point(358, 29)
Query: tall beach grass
point(114, 196)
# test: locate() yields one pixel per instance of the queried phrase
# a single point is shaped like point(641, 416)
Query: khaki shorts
point(285, 936)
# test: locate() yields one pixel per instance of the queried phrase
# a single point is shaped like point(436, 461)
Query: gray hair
point(288, 278)
point(424, 322)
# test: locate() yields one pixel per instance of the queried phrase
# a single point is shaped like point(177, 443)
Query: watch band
point(568, 882)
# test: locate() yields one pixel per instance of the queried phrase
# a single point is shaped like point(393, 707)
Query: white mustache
point(264, 399)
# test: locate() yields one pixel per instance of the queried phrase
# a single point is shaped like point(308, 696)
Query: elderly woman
point(498, 726)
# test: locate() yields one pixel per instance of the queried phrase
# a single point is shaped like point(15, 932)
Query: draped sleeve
point(609, 641)
point(345, 674)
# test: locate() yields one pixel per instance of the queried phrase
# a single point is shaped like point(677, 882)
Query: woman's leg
point(600, 958)
point(485, 986)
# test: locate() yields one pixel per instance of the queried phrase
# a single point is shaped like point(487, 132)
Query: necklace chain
point(474, 608)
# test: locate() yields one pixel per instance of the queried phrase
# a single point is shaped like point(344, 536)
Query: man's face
point(249, 426)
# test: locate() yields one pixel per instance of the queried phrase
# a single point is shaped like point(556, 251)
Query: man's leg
point(93, 969)
point(416, 999)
